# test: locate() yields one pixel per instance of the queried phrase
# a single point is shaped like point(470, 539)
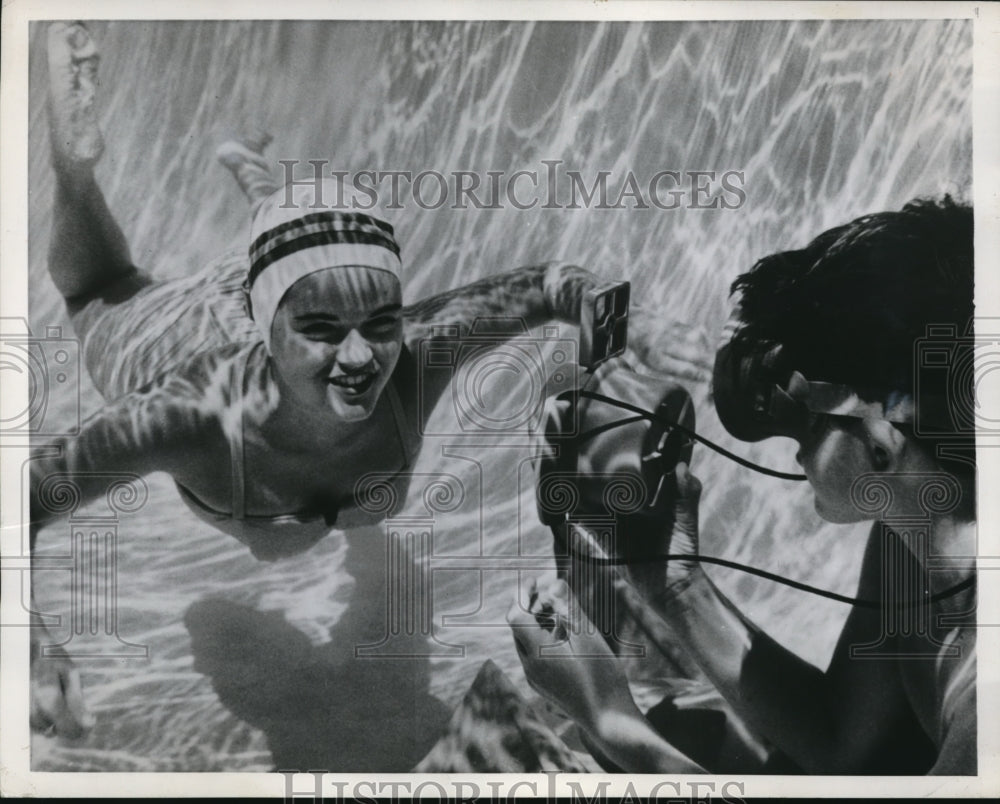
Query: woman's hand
point(667, 346)
point(57, 703)
point(566, 659)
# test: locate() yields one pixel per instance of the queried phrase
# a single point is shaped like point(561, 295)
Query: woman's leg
point(245, 159)
point(88, 252)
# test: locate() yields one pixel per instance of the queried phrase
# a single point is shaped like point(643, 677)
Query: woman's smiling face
point(336, 337)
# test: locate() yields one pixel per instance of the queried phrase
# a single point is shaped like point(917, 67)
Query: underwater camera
point(607, 457)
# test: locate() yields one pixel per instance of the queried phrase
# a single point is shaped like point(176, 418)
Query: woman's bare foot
point(73, 58)
point(245, 159)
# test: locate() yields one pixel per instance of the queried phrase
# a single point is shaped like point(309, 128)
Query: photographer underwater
point(831, 345)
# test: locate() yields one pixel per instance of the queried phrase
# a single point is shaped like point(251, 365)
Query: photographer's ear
point(886, 445)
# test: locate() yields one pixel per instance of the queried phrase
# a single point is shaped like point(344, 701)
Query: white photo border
point(16, 779)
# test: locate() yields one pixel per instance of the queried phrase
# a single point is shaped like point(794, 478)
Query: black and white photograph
point(595, 396)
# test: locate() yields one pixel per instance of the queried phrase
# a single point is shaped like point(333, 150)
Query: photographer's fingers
point(546, 599)
point(688, 484)
point(688, 497)
point(558, 593)
point(532, 632)
point(551, 606)
point(684, 536)
point(520, 623)
point(532, 593)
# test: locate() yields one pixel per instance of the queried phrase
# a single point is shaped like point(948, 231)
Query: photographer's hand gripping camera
point(607, 460)
point(606, 463)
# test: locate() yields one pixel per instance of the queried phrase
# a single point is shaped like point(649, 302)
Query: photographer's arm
point(827, 722)
point(831, 722)
point(566, 660)
point(630, 741)
point(957, 755)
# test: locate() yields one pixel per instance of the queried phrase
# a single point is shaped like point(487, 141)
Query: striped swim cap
point(304, 228)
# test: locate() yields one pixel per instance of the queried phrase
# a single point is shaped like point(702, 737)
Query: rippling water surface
point(828, 120)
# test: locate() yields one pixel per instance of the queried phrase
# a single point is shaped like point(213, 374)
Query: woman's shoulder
point(212, 379)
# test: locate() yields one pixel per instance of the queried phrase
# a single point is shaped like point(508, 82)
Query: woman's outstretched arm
point(172, 425)
point(526, 297)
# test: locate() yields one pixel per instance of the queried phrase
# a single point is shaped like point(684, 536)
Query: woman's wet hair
point(853, 305)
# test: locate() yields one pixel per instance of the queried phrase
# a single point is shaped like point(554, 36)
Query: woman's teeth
point(356, 383)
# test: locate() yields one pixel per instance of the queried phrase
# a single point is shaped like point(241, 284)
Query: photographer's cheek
point(832, 463)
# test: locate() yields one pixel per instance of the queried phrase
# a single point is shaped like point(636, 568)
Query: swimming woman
point(266, 425)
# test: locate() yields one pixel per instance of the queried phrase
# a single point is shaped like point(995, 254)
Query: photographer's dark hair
point(851, 306)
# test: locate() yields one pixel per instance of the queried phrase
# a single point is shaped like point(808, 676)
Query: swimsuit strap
point(236, 441)
point(399, 417)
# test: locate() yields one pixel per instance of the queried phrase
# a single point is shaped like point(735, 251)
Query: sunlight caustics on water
point(826, 120)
